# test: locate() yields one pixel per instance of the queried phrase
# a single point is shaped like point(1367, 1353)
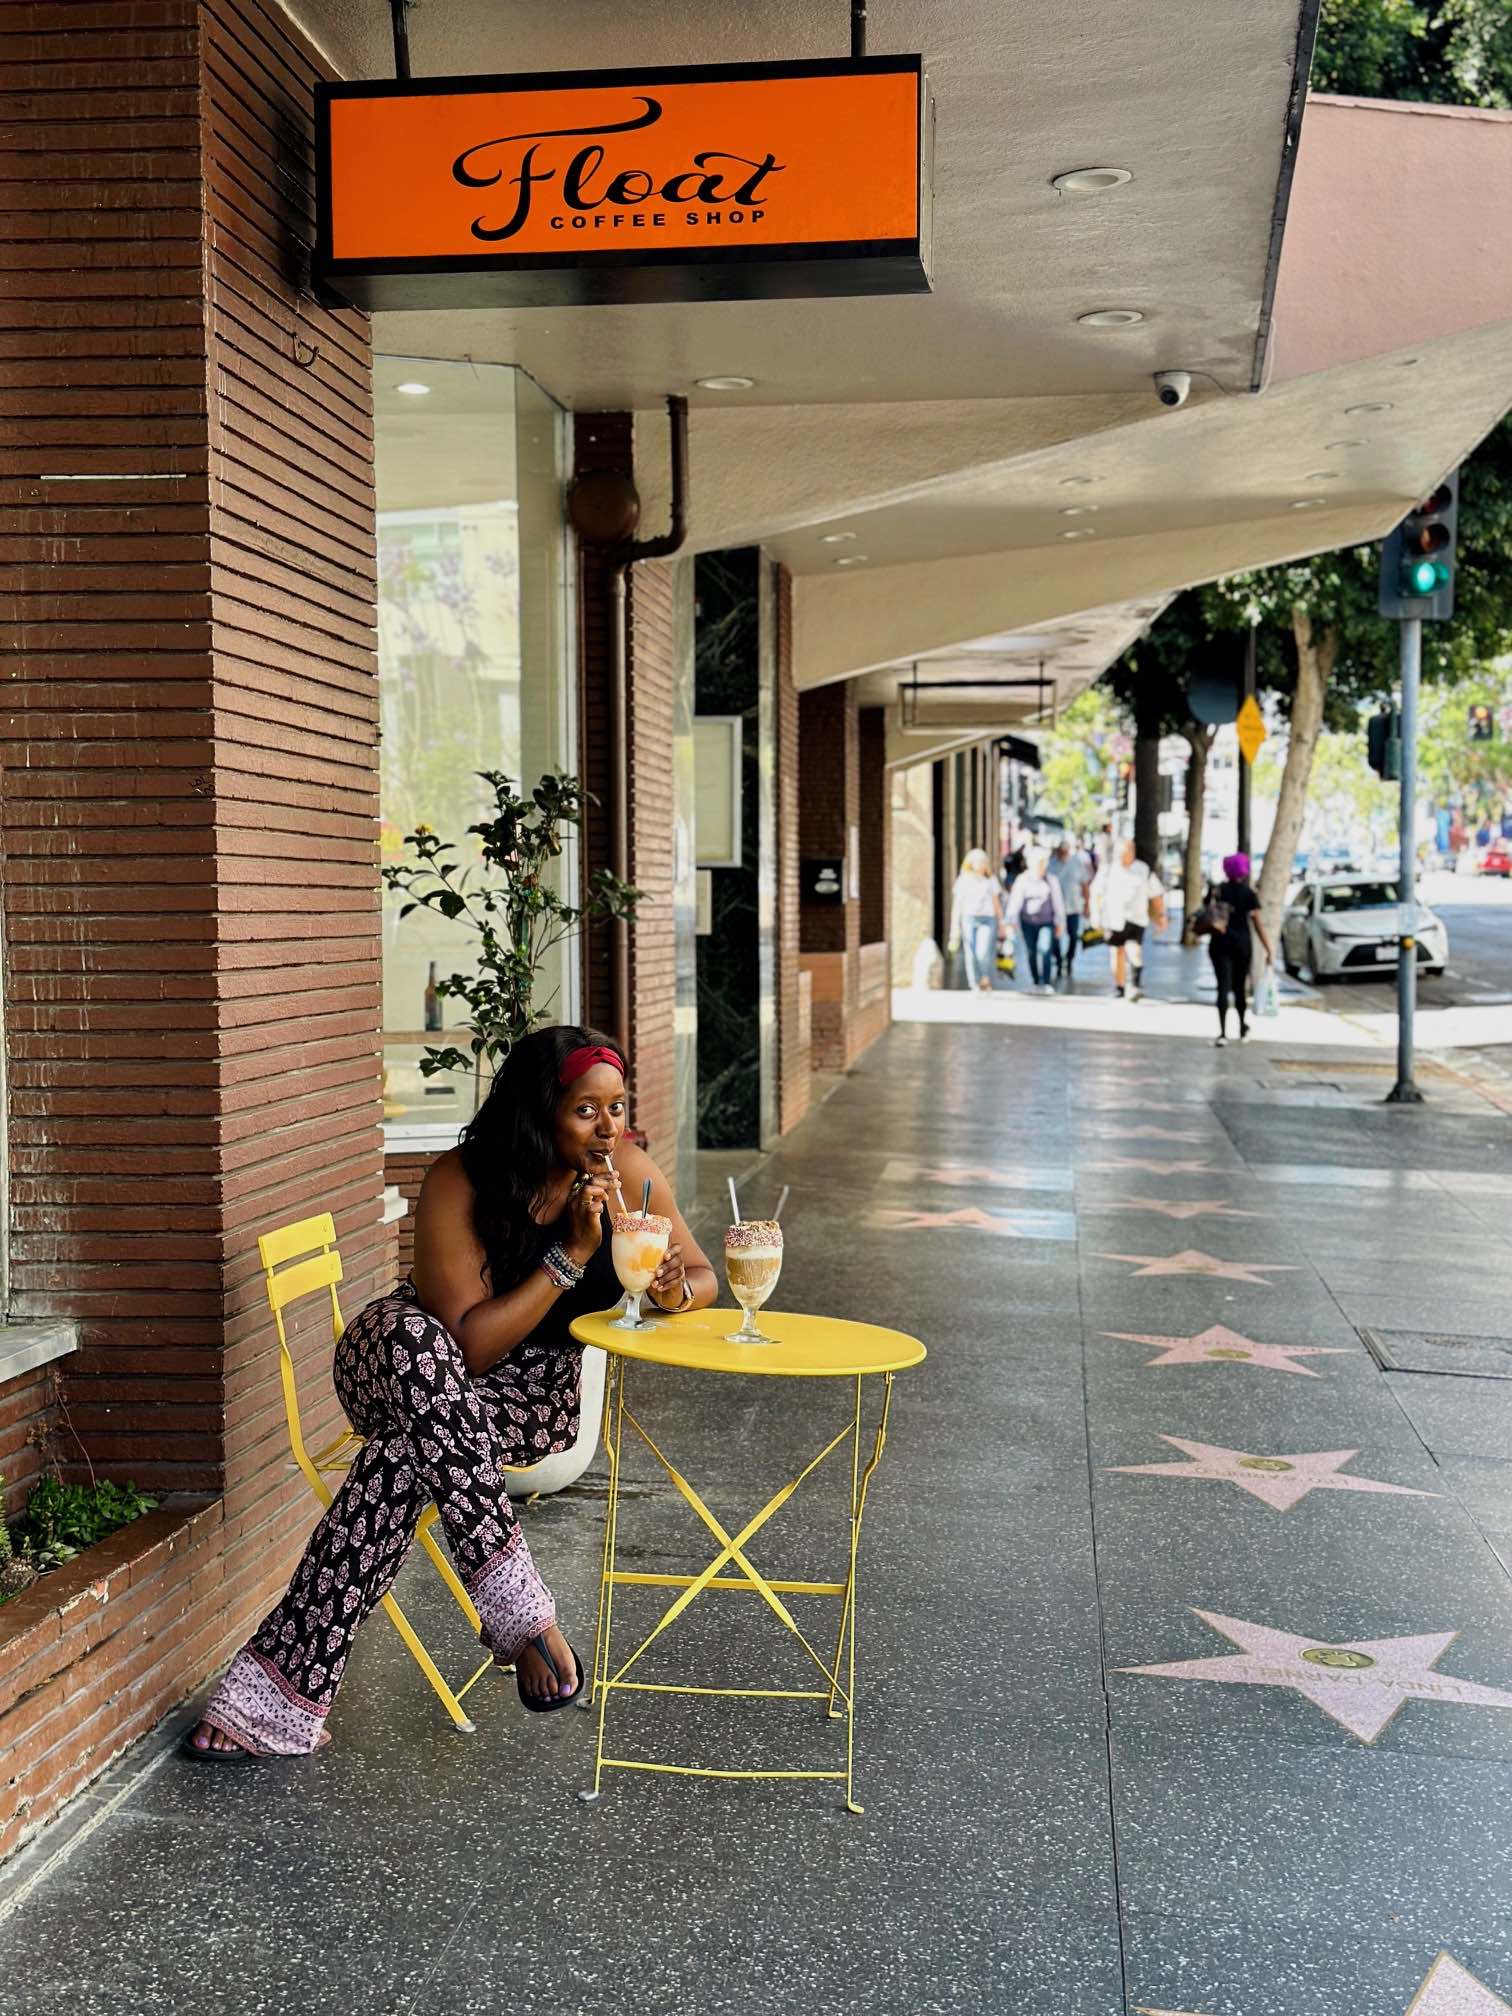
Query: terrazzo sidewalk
point(1185, 1627)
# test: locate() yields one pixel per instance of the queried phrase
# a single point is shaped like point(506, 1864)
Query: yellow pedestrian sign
point(1251, 727)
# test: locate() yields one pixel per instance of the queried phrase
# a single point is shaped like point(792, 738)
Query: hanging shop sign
point(741, 181)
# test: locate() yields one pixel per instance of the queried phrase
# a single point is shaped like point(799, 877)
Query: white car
point(1353, 924)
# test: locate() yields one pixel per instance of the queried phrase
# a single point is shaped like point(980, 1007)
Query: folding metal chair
point(298, 1260)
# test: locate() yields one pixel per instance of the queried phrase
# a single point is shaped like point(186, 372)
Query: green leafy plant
point(60, 1521)
point(510, 900)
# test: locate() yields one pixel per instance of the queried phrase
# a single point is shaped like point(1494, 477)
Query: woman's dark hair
point(508, 1147)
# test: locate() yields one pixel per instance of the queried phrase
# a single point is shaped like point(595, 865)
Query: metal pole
point(399, 12)
point(1405, 1092)
point(1247, 684)
point(858, 29)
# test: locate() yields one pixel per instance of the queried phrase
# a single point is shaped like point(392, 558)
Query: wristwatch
point(687, 1297)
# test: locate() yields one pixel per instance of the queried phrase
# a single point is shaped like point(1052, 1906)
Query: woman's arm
point(451, 1273)
point(1261, 933)
point(634, 1166)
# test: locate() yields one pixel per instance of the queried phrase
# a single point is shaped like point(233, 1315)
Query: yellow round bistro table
point(797, 1347)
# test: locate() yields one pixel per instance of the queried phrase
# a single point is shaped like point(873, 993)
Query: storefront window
point(472, 669)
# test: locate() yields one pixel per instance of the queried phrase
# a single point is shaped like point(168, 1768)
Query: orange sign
point(747, 179)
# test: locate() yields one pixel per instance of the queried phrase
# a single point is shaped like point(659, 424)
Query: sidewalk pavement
point(1186, 1625)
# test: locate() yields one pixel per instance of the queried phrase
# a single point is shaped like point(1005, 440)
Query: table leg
point(845, 1642)
point(614, 1422)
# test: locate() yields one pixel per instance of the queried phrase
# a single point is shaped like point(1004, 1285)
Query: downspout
point(625, 557)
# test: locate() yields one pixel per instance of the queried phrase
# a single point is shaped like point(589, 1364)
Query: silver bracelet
point(560, 1269)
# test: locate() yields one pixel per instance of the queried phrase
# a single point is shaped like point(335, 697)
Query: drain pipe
point(625, 557)
point(399, 23)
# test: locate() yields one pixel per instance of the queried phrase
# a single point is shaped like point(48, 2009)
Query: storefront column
point(189, 803)
point(795, 1006)
point(850, 979)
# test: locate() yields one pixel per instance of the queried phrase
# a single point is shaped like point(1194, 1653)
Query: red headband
point(582, 1060)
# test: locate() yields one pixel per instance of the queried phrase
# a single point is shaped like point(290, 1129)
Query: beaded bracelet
point(561, 1271)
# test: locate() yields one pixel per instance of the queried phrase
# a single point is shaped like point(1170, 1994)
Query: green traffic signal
point(1423, 576)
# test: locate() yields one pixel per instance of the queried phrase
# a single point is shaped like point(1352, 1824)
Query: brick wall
point(794, 1034)
point(188, 794)
point(653, 936)
point(28, 1423)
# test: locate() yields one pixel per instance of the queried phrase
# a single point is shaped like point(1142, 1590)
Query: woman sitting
point(464, 1369)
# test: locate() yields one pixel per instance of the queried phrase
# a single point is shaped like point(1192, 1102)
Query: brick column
point(188, 799)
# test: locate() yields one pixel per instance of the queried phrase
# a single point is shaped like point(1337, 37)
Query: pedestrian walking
point(1126, 896)
point(1226, 919)
point(1072, 870)
point(1037, 905)
point(976, 918)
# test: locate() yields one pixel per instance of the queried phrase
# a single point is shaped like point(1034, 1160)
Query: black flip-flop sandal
point(546, 1703)
point(210, 1754)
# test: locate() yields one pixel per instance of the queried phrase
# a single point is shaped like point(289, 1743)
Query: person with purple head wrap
point(1232, 911)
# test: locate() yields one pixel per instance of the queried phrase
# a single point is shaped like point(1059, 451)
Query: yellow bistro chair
point(299, 1260)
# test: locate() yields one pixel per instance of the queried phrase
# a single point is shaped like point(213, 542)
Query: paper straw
point(781, 1201)
point(734, 1200)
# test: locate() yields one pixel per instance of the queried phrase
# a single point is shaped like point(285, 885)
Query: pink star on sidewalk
point(1359, 1685)
point(1277, 1481)
point(1191, 1207)
point(1005, 1225)
point(1155, 1168)
point(1448, 1991)
point(1222, 1346)
point(1190, 1261)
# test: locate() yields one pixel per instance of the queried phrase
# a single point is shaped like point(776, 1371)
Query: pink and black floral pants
point(433, 1432)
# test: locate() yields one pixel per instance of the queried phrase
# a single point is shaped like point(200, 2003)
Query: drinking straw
point(645, 1209)
point(781, 1201)
point(734, 1200)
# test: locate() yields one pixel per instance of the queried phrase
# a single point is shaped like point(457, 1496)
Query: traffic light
point(1482, 723)
point(1417, 559)
point(1383, 741)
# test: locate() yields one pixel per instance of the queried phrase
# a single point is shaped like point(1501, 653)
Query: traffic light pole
point(1405, 1091)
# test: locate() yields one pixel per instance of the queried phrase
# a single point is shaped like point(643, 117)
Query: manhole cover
point(1434, 1351)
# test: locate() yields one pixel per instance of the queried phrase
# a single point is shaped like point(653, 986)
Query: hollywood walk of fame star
point(961, 1173)
point(1189, 1207)
point(1277, 1481)
point(1208, 1265)
point(1155, 1168)
point(1360, 1685)
point(1149, 1133)
point(1447, 1991)
point(1005, 1225)
point(1221, 1346)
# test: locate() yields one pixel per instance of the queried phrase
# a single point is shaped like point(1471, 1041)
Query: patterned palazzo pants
point(433, 1432)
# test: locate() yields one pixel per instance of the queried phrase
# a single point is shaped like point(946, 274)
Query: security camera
point(1172, 387)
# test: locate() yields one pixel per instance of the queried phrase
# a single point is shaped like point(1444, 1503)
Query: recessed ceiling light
point(1077, 510)
point(1354, 441)
point(1370, 406)
point(1088, 181)
point(1076, 482)
point(1321, 476)
point(835, 538)
point(1080, 532)
point(1306, 503)
point(413, 389)
point(1111, 318)
point(724, 384)
point(849, 560)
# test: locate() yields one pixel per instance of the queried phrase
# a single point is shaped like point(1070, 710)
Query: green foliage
point(1476, 775)
point(1200, 631)
point(1443, 52)
point(510, 901)
point(1074, 755)
point(61, 1520)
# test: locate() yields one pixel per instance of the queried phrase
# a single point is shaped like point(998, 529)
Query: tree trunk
point(1200, 741)
point(1147, 727)
point(1315, 663)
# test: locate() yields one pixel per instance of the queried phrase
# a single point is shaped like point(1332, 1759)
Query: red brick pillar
point(189, 788)
point(794, 985)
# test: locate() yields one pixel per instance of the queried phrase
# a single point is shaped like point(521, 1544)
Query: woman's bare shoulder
point(447, 1181)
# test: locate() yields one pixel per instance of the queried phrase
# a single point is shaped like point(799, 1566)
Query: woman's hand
point(586, 1211)
point(668, 1279)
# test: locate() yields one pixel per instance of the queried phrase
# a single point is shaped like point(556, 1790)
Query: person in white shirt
point(976, 917)
point(1036, 903)
point(1072, 869)
point(1125, 898)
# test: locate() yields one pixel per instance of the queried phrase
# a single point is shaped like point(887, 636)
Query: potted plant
point(510, 901)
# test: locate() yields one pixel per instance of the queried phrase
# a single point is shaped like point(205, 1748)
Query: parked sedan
point(1353, 924)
